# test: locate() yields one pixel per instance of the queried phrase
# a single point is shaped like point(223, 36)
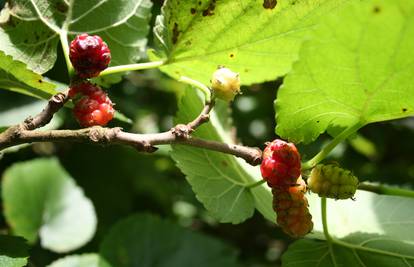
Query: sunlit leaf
point(255, 38)
point(356, 69)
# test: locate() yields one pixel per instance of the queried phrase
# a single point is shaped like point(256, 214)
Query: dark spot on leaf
point(209, 11)
point(176, 32)
point(232, 55)
point(199, 3)
point(224, 163)
point(317, 121)
point(376, 9)
point(193, 11)
point(246, 70)
point(40, 81)
point(269, 4)
point(61, 7)
point(188, 43)
point(293, 3)
point(404, 109)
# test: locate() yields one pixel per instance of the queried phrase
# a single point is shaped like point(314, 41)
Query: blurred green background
point(121, 181)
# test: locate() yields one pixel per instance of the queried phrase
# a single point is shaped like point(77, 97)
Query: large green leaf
point(84, 260)
point(374, 230)
point(29, 29)
point(219, 180)
point(356, 69)
point(358, 250)
point(260, 43)
point(369, 213)
point(40, 198)
point(13, 251)
point(145, 241)
point(15, 76)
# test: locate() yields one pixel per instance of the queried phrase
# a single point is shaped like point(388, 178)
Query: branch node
point(28, 120)
point(98, 134)
point(181, 131)
point(145, 146)
point(59, 98)
point(204, 118)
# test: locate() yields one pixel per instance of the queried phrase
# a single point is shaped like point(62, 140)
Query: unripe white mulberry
point(225, 84)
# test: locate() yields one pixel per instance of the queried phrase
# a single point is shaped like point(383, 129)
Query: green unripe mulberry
point(332, 181)
point(225, 84)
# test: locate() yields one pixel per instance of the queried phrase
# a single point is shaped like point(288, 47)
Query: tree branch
point(184, 131)
point(142, 142)
point(180, 134)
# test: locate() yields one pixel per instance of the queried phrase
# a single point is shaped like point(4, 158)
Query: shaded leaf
point(40, 198)
point(144, 240)
point(122, 24)
point(29, 41)
point(13, 251)
point(218, 180)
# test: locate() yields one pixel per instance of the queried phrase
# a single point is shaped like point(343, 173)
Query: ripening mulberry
point(291, 207)
point(92, 105)
point(281, 163)
point(89, 55)
point(332, 181)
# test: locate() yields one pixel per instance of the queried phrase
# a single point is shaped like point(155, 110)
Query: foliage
point(344, 70)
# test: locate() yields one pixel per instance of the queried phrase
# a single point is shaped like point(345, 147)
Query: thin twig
point(45, 116)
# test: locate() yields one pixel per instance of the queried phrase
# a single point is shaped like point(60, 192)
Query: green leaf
point(40, 198)
point(124, 27)
point(15, 76)
point(259, 43)
point(18, 114)
point(218, 180)
point(30, 29)
point(356, 69)
point(13, 251)
point(356, 250)
point(144, 240)
point(370, 213)
point(27, 39)
point(84, 260)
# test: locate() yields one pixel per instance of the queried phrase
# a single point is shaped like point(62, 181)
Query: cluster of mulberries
point(93, 106)
point(89, 55)
point(281, 170)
